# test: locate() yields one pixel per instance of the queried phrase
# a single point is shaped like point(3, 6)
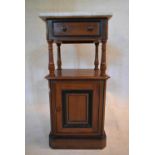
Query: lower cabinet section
point(77, 113)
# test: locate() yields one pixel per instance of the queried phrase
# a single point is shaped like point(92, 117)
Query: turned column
point(51, 66)
point(96, 62)
point(59, 56)
point(103, 58)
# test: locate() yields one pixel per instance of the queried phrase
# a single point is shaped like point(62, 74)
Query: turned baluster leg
point(103, 59)
point(96, 62)
point(59, 56)
point(51, 66)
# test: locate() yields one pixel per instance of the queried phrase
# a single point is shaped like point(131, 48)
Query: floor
point(116, 127)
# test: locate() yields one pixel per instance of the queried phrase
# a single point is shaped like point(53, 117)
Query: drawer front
point(76, 28)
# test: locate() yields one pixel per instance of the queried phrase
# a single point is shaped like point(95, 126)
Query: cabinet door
point(77, 108)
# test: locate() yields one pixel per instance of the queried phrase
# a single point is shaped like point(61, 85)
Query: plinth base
point(77, 143)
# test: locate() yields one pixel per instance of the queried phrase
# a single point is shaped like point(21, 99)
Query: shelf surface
point(77, 74)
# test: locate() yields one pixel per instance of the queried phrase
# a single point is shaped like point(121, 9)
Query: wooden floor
point(116, 127)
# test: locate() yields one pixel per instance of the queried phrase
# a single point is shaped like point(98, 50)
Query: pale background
point(76, 56)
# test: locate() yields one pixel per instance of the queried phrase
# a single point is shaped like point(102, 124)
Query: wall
point(76, 56)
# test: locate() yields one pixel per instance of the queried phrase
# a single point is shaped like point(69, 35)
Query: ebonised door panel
point(77, 108)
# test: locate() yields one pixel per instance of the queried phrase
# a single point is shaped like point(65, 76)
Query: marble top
point(54, 15)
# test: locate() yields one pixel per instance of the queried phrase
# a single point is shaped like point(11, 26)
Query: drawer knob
point(64, 28)
point(90, 28)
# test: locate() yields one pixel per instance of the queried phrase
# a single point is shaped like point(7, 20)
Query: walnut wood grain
point(77, 86)
point(77, 96)
point(59, 56)
point(51, 66)
point(83, 74)
point(76, 28)
point(77, 143)
point(77, 105)
point(96, 56)
point(103, 58)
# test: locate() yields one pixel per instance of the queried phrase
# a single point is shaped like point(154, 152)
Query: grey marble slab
point(54, 15)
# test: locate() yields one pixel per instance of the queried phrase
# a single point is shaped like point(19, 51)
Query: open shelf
point(77, 74)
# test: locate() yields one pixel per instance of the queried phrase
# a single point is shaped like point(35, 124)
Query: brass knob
point(90, 28)
point(64, 28)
